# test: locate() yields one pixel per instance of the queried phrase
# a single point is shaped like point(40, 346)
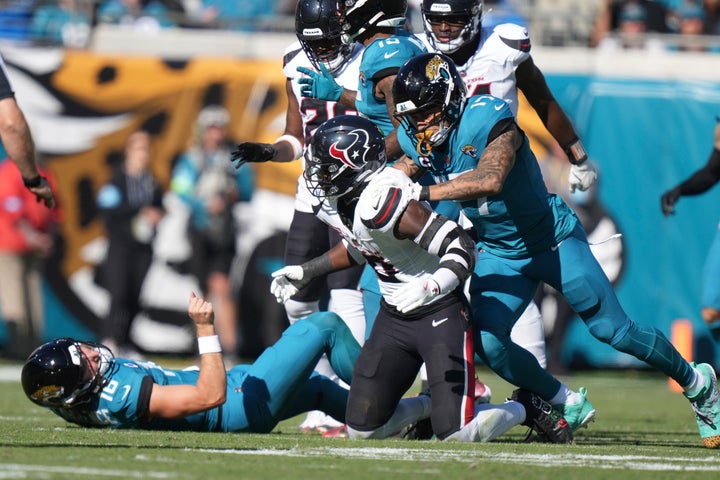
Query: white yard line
point(605, 462)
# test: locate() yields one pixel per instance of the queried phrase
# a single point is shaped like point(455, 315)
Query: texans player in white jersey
point(422, 260)
point(318, 49)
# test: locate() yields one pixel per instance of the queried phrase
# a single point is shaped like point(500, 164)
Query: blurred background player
point(27, 240)
point(318, 49)
point(35, 188)
point(131, 208)
point(210, 187)
point(699, 182)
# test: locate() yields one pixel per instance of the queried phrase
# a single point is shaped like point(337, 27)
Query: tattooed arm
point(488, 178)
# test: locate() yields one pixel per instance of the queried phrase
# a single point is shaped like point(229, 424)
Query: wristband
point(33, 182)
point(209, 344)
point(294, 143)
point(575, 151)
point(424, 193)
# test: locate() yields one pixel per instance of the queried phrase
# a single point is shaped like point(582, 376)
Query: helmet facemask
point(318, 27)
point(438, 89)
point(344, 154)
point(469, 16)
point(56, 373)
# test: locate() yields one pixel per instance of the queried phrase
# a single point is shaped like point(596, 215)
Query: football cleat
point(420, 430)
point(483, 394)
point(578, 414)
point(707, 407)
point(318, 422)
point(541, 417)
point(336, 432)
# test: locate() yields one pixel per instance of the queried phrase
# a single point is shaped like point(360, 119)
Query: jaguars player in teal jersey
point(526, 235)
point(85, 384)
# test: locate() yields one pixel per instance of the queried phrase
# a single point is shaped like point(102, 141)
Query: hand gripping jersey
point(314, 111)
point(369, 235)
point(491, 69)
point(381, 58)
point(514, 223)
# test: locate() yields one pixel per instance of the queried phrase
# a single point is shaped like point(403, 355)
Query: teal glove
point(320, 85)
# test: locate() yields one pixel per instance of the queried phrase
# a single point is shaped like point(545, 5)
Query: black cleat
point(420, 430)
point(549, 425)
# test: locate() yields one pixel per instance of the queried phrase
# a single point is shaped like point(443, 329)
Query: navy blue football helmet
point(56, 373)
point(344, 154)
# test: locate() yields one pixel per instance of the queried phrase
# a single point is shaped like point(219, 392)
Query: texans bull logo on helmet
point(356, 150)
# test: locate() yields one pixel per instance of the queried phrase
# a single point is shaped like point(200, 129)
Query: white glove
point(415, 294)
point(582, 176)
point(282, 285)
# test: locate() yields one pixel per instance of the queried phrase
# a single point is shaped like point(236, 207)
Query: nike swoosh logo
point(554, 249)
point(435, 323)
point(498, 107)
point(391, 54)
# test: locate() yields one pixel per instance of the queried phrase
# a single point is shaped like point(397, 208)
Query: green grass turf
point(643, 431)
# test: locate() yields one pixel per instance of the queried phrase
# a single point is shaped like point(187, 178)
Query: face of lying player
point(91, 361)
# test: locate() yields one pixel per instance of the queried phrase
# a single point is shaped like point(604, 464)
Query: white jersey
point(395, 261)
point(491, 69)
point(314, 111)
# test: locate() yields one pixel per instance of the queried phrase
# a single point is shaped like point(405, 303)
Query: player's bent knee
point(602, 329)
point(325, 320)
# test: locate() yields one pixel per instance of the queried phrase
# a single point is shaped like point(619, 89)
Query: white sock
point(408, 411)
point(565, 395)
point(296, 310)
point(696, 385)
point(490, 422)
point(529, 333)
point(349, 305)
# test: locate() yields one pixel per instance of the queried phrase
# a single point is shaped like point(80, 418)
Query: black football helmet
point(361, 15)
point(344, 154)
point(54, 374)
point(461, 12)
point(426, 84)
point(318, 26)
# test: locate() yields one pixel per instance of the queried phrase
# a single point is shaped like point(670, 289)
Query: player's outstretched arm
point(176, 401)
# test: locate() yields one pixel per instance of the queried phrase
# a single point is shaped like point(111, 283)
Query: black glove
point(668, 201)
point(252, 152)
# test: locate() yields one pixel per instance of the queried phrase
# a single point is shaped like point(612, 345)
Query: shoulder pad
point(514, 36)
point(380, 210)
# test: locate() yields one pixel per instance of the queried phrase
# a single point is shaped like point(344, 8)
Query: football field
point(642, 430)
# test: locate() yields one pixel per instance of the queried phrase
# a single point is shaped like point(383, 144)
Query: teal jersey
point(381, 58)
point(513, 223)
point(124, 401)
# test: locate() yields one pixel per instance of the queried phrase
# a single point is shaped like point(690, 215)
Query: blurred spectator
point(27, 228)
point(15, 16)
point(629, 17)
point(65, 22)
point(688, 20)
point(247, 15)
point(712, 17)
point(623, 24)
point(131, 207)
point(143, 15)
point(208, 183)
